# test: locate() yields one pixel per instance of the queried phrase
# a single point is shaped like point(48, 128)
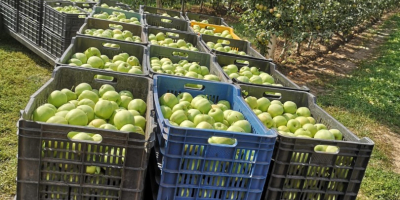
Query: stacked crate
point(59, 28)
point(9, 12)
point(30, 19)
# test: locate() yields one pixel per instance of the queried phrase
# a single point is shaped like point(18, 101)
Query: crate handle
point(98, 138)
point(272, 96)
point(227, 42)
point(166, 21)
point(110, 79)
point(115, 26)
point(109, 46)
point(332, 150)
point(240, 63)
point(181, 55)
point(171, 35)
point(223, 139)
point(191, 86)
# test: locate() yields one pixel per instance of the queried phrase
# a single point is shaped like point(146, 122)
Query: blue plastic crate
point(194, 169)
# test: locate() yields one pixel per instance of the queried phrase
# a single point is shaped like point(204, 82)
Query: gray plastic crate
point(189, 16)
point(63, 24)
point(299, 172)
point(87, 4)
point(121, 5)
point(93, 23)
point(11, 3)
point(42, 155)
point(263, 65)
point(192, 38)
point(32, 8)
point(52, 43)
point(203, 59)
point(161, 21)
point(159, 11)
point(98, 10)
point(80, 44)
point(29, 29)
point(10, 17)
point(239, 45)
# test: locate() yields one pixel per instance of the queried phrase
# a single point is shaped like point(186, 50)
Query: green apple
point(203, 105)
point(290, 107)
point(167, 112)
point(320, 148)
point(283, 128)
point(244, 124)
point(77, 117)
point(105, 58)
point(122, 118)
point(62, 113)
point(112, 96)
point(86, 102)
point(320, 126)
point(338, 135)
point(280, 121)
point(191, 114)
point(135, 112)
point(125, 100)
point(57, 98)
point(168, 99)
point(178, 116)
point(234, 116)
point(311, 119)
point(266, 119)
point(204, 125)
point(88, 95)
point(126, 93)
point(104, 109)
point(74, 62)
point(225, 102)
point(287, 134)
point(70, 95)
point(257, 111)
point(277, 102)
point(302, 131)
point(235, 129)
point(293, 125)
point(332, 149)
point(203, 118)
point(302, 120)
point(185, 96)
point(220, 126)
point(104, 88)
point(221, 140)
point(68, 106)
point(124, 67)
point(263, 104)
point(88, 111)
point(81, 56)
point(97, 123)
point(133, 61)
point(311, 128)
point(275, 110)
point(92, 51)
point(252, 102)
point(324, 134)
point(289, 116)
point(57, 120)
point(132, 128)
point(140, 121)
point(75, 102)
point(96, 62)
point(187, 123)
point(82, 87)
point(108, 127)
point(139, 105)
point(217, 114)
point(303, 111)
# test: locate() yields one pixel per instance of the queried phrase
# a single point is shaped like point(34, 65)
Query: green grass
point(21, 74)
point(368, 103)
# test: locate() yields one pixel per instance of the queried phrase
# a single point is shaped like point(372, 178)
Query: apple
point(204, 125)
point(221, 140)
point(320, 148)
point(123, 117)
point(324, 134)
point(289, 116)
point(287, 134)
point(311, 119)
point(86, 102)
point(203, 105)
point(293, 125)
point(302, 131)
point(57, 120)
point(266, 119)
point(70, 95)
point(178, 116)
point(68, 106)
point(302, 120)
point(225, 102)
point(303, 111)
point(96, 62)
point(263, 104)
point(112, 96)
point(234, 116)
point(81, 56)
point(104, 109)
point(88, 95)
point(203, 118)
point(220, 126)
point(257, 111)
point(97, 123)
point(311, 128)
point(124, 67)
point(57, 98)
point(62, 113)
point(187, 123)
point(191, 114)
point(235, 129)
point(275, 110)
point(185, 96)
point(105, 88)
point(217, 114)
point(168, 99)
point(139, 105)
point(132, 128)
point(338, 135)
point(77, 117)
point(88, 111)
point(252, 102)
point(280, 121)
point(332, 149)
point(283, 128)
point(125, 100)
point(276, 102)
point(290, 107)
point(320, 126)
point(140, 121)
point(167, 112)
point(244, 124)
point(82, 87)
point(126, 93)
point(108, 127)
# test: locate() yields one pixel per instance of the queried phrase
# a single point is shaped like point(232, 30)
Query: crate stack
point(9, 12)
point(59, 28)
point(30, 20)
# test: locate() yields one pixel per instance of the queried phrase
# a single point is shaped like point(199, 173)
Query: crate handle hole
point(272, 95)
point(116, 26)
point(192, 86)
point(241, 62)
point(111, 46)
point(182, 55)
point(105, 78)
point(224, 42)
point(327, 149)
point(166, 21)
point(222, 141)
point(85, 137)
point(172, 35)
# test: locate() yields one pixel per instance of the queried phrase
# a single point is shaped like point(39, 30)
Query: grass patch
point(368, 103)
point(21, 73)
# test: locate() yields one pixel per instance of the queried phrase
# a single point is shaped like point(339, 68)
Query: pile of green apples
point(182, 68)
point(88, 10)
point(198, 112)
point(249, 75)
point(223, 47)
point(211, 31)
point(163, 39)
point(202, 21)
point(117, 17)
point(92, 58)
point(104, 5)
point(292, 121)
point(114, 34)
point(69, 9)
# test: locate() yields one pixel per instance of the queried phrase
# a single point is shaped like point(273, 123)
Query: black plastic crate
point(80, 44)
point(52, 43)
point(86, 5)
point(10, 17)
point(239, 45)
point(49, 168)
point(113, 3)
point(32, 8)
point(29, 29)
point(11, 3)
point(263, 65)
point(189, 16)
point(299, 172)
point(204, 59)
point(93, 23)
point(166, 22)
point(188, 37)
point(159, 11)
point(63, 24)
point(98, 10)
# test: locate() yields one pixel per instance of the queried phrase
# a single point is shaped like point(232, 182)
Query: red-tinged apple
point(169, 99)
point(82, 87)
point(57, 98)
point(275, 110)
point(77, 117)
point(266, 119)
point(104, 109)
point(280, 121)
point(217, 114)
point(293, 125)
point(178, 117)
point(290, 107)
point(234, 116)
point(303, 111)
point(324, 135)
point(187, 124)
point(139, 105)
point(244, 124)
point(88, 111)
point(311, 128)
point(338, 135)
point(204, 125)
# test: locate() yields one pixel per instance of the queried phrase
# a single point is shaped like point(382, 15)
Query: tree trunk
point(183, 7)
point(201, 5)
point(159, 4)
point(298, 48)
point(283, 52)
point(230, 4)
point(271, 47)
